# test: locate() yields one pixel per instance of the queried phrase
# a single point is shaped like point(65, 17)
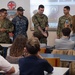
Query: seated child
point(33, 64)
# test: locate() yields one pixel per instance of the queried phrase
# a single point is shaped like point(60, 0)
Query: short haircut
point(66, 31)
point(35, 34)
point(3, 9)
point(41, 6)
point(67, 7)
point(33, 45)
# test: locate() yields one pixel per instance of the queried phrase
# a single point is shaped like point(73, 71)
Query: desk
point(68, 58)
point(57, 70)
point(16, 70)
point(5, 45)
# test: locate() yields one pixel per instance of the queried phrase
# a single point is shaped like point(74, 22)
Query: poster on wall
point(11, 10)
point(11, 14)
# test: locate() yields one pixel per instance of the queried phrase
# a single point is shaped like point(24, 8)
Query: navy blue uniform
point(20, 25)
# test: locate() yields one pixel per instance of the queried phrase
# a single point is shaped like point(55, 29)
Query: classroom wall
point(26, 5)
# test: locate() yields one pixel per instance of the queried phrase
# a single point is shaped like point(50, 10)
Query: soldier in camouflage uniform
point(40, 22)
point(62, 21)
point(5, 27)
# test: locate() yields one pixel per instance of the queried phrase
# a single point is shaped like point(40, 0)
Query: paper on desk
point(16, 69)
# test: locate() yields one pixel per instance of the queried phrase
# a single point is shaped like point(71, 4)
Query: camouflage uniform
point(42, 21)
point(61, 24)
point(4, 36)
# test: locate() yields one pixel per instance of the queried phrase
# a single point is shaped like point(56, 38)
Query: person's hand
point(2, 29)
point(25, 53)
point(39, 56)
point(45, 34)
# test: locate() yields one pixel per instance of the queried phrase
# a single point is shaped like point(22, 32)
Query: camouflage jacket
point(39, 20)
point(4, 36)
point(61, 24)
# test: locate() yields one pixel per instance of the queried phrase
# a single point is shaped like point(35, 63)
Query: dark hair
point(66, 31)
point(3, 9)
point(18, 46)
point(41, 6)
point(67, 7)
point(33, 45)
point(35, 34)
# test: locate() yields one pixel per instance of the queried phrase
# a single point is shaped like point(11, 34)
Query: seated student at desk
point(33, 64)
point(6, 66)
point(42, 45)
point(16, 50)
point(64, 42)
point(64, 45)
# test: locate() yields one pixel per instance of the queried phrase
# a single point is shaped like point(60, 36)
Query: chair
point(64, 52)
point(55, 62)
point(42, 50)
point(65, 64)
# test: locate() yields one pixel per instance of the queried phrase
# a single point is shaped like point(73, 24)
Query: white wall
point(26, 5)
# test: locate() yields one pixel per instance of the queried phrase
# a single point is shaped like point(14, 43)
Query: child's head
point(18, 45)
point(35, 34)
point(66, 31)
point(33, 45)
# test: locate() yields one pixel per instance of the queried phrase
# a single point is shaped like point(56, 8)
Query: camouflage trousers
point(43, 40)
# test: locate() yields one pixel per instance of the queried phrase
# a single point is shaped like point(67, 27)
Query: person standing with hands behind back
point(64, 21)
point(40, 22)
